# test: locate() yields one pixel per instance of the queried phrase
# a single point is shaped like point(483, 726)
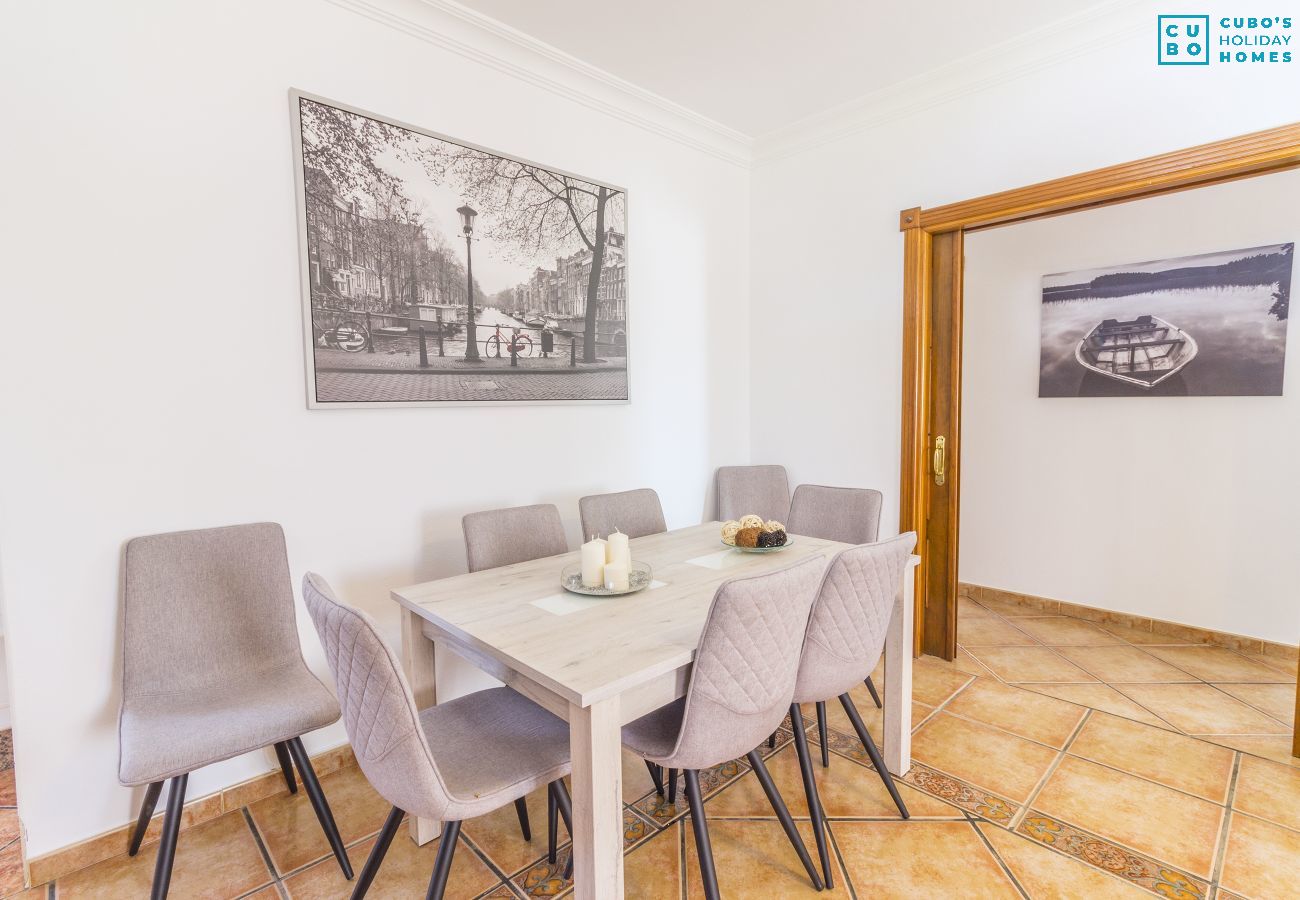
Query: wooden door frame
point(1259, 153)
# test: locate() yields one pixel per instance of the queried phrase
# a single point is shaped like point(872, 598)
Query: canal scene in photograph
point(436, 271)
point(1213, 324)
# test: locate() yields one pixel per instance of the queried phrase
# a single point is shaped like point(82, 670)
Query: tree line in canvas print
point(438, 271)
point(1211, 324)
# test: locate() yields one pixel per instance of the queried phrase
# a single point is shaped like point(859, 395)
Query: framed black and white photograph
point(1213, 324)
point(438, 272)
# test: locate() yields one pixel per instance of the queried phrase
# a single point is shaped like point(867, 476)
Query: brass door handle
point(940, 461)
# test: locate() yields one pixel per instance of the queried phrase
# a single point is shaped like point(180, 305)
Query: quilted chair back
point(753, 490)
point(635, 513)
point(847, 515)
point(745, 667)
point(850, 618)
point(379, 711)
point(502, 537)
point(202, 606)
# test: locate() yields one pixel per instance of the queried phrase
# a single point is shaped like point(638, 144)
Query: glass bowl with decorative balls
point(750, 534)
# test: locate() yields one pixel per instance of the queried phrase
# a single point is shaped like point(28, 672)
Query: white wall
point(153, 374)
point(1180, 508)
point(827, 253)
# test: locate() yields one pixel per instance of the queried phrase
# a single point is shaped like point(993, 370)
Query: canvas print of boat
point(1213, 324)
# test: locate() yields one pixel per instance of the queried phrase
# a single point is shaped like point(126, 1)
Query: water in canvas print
point(437, 271)
point(1211, 324)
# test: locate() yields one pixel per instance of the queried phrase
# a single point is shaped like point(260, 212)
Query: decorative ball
point(771, 538)
point(751, 522)
point(773, 525)
point(729, 530)
point(747, 537)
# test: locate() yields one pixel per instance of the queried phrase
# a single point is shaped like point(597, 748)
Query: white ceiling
point(758, 65)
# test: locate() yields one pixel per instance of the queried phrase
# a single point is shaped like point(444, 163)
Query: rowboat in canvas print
point(1142, 352)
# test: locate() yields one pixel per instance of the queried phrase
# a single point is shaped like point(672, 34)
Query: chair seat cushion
point(493, 747)
point(168, 734)
point(654, 735)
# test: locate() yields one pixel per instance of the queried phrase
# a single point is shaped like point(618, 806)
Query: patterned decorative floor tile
point(959, 793)
point(1111, 857)
point(659, 811)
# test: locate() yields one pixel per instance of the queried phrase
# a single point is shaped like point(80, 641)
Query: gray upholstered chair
point(212, 669)
point(635, 513)
point(502, 537)
point(757, 490)
point(847, 515)
point(450, 762)
point(741, 684)
point(844, 641)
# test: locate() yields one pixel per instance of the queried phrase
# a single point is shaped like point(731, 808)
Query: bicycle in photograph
point(347, 335)
point(499, 345)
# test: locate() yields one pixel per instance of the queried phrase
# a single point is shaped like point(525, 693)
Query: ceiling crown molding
point(1079, 34)
point(486, 41)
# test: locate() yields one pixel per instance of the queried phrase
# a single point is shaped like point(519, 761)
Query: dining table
point(601, 662)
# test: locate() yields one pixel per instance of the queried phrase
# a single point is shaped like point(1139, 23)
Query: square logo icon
point(1183, 40)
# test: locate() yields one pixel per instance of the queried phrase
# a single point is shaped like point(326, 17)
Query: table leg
point(596, 743)
point(898, 677)
point(418, 664)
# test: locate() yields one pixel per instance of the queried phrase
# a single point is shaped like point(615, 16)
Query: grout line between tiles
point(261, 848)
point(681, 850)
point(997, 857)
point(1221, 848)
point(1051, 770)
point(839, 858)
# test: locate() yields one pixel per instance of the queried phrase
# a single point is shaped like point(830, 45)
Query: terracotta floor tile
point(933, 681)
point(1219, 664)
point(920, 859)
point(1138, 636)
point(754, 858)
point(1201, 709)
point(11, 869)
point(1275, 747)
point(8, 793)
point(1063, 631)
point(654, 869)
point(1101, 697)
point(1012, 610)
point(872, 716)
point(270, 892)
point(1046, 873)
point(993, 631)
point(1175, 760)
point(1260, 860)
point(1029, 664)
point(846, 790)
point(1124, 664)
point(1171, 826)
point(1276, 700)
point(9, 827)
point(499, 836)
point(1269, 790)
point(291, 832)
point(1286, 666)
point(967, 663)
point(1019, 711)
point(969, 609)
point(994, 760)
point(636, 778)
point(217, 859)
point(405, 873)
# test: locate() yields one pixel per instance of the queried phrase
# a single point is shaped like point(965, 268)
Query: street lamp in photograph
point(467, 214)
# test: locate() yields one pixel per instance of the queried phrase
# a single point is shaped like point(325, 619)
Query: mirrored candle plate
point(789, 542)
point(639, 578)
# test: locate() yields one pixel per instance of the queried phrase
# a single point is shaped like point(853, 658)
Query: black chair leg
point(782, 813)
point(672, 786)
point(552, 824)
point(442, 865)
point(703, 849)
point(771, 741)
point(146, 813)
point(871, 688)
point(815, 813)
point(566, 811)
point(521, 810)
point(377, 853)
point(657, 776)
point(320, 804)
point(162, 870)
point(876, 760)
point(286, 766)
point(821, 734)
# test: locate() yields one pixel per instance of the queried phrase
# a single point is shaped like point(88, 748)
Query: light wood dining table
point(599, 663)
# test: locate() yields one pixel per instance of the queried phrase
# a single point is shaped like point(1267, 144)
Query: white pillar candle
point(593, 563)
point(617, 550)
point(616, 577)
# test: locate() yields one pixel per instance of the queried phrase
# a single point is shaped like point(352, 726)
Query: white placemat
point(565, 603)
point(723, 559)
